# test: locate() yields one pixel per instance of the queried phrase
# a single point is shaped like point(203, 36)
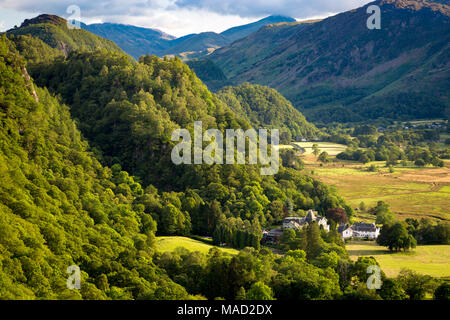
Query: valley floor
point(433, 260)
point(411, 192)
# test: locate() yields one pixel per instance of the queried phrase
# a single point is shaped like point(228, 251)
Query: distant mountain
point(136, 41)
point(339, 70)
point(196, 45)
point(239, 32)
point(204, 43)
point(53, 31)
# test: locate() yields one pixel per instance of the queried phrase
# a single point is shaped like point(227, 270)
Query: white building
point(359, 230)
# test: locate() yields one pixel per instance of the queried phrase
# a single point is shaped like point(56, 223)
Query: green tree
point(396, 237)
point(420, 163)
point(383, 213)
point(416, 286)
point(315, 243)
point(362, 207)
point(241, 295)
point(315, 149)
point(392, 290)
point(442, 292)
point(288, 240)
point(323, 157)
point(259, 291)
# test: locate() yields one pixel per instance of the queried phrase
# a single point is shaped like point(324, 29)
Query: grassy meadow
point(410, 191)
point(433, 260)
point(172, 243)
point(331, 148)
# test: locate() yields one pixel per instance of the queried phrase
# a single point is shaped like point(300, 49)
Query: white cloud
point(181, 17)
point(10, 18)
point(293, 8)
point(180, 22)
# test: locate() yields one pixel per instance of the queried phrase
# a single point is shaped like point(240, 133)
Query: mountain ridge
point(339, 64)
point(138, 41)
point(55, 32)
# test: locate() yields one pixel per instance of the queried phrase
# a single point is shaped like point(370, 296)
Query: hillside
point(197, 44)
point(264, 107)
point(53, 31)
point(87, 180)
point(243, 53)
point(59, 206)
point(239, 32)
point(339, 70)
point(210, 74)
point(128, 112)
point(135, 41)
point(202, 44)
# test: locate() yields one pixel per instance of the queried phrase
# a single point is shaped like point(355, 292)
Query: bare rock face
point(29, 83)
point(64, 48)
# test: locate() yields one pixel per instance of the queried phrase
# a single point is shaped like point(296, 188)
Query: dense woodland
point(395, 145)
point(264, 107)
point(61, 206)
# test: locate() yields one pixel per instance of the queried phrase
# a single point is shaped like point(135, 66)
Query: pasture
point(433, 260)
point(412, 192)
point(171, 243)
point(331, 148)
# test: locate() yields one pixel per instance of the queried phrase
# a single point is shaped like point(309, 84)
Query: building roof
point(275, 232)
point(367, 227)
point(342, 227)
point(310, 217)
point(290, 219)
point(359, 227)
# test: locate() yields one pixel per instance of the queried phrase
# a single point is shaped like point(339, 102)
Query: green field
point(172, 243)
point(285, 146)
point(431, 260)
point(410, 191)
point(331, 148)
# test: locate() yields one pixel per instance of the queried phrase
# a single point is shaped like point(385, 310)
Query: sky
point(175, 17)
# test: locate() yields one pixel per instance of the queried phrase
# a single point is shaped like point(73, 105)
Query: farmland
point(410, 191)
point(331, 148)
point(433, 260)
